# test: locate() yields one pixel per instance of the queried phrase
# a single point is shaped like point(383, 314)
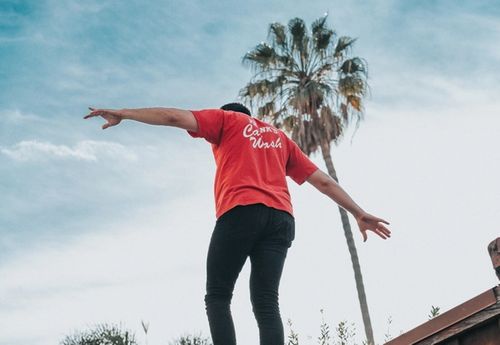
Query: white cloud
point(17, 116)
point(85, 150)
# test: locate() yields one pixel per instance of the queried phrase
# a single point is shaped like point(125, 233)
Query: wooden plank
point(486, 316)
point(447, 319)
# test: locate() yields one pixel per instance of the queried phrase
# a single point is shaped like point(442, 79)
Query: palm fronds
point(305, 82)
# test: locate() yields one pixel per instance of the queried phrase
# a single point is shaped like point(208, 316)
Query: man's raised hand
point(113, 117)
point(368, 222)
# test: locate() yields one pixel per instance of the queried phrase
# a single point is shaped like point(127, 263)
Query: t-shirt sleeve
point(299, 167)
point(210, 125)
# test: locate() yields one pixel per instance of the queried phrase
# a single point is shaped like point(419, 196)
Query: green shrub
point(191, 340)
point(101, 334)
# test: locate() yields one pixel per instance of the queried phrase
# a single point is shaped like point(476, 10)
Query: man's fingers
point(90, 115)
point(383, 228)
point(94, 112)
point(103, 111)
point(381, 234)
point(365, 236)
point(109, 124)
point(385, 234)
point(388, 233)
point(99, 112)
point(381, 220)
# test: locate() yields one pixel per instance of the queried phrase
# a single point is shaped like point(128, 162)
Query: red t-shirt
point(253, 159)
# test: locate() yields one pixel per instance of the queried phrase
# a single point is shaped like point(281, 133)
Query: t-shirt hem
point(252, 202)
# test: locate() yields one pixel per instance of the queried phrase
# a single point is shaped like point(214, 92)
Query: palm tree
point(305, 83)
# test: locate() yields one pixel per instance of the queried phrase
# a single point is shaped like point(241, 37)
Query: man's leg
point(267, 259)
point(231, 242)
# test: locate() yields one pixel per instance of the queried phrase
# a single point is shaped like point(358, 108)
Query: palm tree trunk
point(325, 150)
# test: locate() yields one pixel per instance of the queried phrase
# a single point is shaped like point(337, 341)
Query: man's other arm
point(328, 186)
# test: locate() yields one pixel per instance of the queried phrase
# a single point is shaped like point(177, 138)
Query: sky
point(113, 226)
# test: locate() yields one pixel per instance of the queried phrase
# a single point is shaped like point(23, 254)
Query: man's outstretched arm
point(154, 116)
point(328, 186)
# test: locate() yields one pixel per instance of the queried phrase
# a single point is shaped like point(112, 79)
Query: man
point(253, 207)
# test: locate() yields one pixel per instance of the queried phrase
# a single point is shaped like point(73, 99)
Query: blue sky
point(92, 218)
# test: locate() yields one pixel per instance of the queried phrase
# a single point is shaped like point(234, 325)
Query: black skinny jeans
point(264, 234)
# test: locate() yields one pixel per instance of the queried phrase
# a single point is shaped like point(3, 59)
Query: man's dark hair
point(238, 107)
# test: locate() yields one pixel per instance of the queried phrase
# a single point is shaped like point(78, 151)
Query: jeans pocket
point(291, 230)
point(286, 228)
